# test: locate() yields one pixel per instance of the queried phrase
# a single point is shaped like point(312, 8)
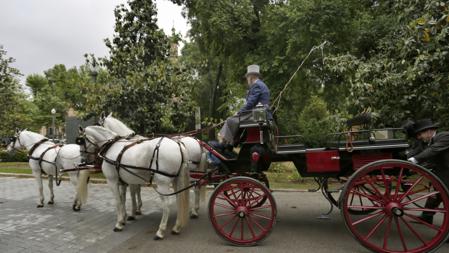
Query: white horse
point(45, 157)
point(196, 159)
point(160, 161)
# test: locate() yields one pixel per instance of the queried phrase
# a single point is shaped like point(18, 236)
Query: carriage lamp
point(53, 112)
point(260, 113)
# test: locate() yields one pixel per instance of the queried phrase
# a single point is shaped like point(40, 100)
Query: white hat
point(253, 70)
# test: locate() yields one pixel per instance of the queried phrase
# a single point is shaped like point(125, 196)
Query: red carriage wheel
point(395, 223)
point(236, 214)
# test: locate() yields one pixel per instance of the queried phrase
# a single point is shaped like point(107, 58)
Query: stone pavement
point(25, 228)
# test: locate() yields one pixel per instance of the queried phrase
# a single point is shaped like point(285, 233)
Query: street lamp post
point(53, 112)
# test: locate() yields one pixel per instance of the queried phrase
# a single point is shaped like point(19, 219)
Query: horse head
point(117, 126)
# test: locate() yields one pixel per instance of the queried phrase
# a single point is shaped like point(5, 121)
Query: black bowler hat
point(424, 124)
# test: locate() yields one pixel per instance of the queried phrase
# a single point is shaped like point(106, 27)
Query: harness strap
point(34, 147)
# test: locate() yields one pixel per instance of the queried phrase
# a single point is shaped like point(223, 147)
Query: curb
point(64, 178)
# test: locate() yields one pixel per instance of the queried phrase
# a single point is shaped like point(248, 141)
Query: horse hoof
point(40, 206)
point(76, 209)
point(194, 216)
point(138, 212)
point(51, 202)
point(131, 218)
point(173, 232)
point(157, 238)
point(116, 229)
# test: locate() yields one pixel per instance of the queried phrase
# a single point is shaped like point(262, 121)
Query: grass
point(280, 175)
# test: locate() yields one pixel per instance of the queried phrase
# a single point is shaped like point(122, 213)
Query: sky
point(41, 33)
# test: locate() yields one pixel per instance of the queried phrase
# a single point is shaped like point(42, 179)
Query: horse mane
point(117, 126)
point(100, 133)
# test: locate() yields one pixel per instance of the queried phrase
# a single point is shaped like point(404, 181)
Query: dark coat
point(258, 92)
point(437, 155)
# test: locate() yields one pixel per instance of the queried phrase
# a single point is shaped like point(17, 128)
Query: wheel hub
point(242, 211)
point(394, 208)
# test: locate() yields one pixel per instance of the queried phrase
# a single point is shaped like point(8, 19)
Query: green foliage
point(316, 124)
point(149, 90)
point(138, 41)
point(17, 156)
point(15, 109)
point(407, 75)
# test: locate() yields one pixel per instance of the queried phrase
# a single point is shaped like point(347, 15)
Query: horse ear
point(17, 130)
point(80, 129)
point(110, 114)
point(102, 115)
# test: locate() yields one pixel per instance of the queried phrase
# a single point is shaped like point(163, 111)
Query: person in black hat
point(435, 154)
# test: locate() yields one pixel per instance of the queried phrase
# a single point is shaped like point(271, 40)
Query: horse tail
point(83, 179)
point(183, 181)
point(203, 168)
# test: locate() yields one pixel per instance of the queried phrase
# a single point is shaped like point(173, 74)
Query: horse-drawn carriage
point(381, 195)
point(364, 173)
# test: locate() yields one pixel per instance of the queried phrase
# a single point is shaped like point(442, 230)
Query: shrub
point(16, 156)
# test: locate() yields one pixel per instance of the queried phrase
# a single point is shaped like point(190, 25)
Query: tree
point(406, 76)
point(15, 109)
point(150, 88)
point(137, 41)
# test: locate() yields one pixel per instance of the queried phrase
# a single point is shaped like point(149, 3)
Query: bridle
point(83, 142)
point(15, 139)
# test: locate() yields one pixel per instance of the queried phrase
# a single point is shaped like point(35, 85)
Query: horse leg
point(165, 213)
point(118, 205)
point(76, 206)
point(133, 191)
point(122, 189)
point(50, 186)
point(196, 207)
point(139, 200)
point(40, 187)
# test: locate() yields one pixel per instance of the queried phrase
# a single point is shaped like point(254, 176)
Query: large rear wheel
point(399, 218)
point(236, 212)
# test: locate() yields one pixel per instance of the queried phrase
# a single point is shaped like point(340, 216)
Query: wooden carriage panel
point(361, 159)
point(322, 161)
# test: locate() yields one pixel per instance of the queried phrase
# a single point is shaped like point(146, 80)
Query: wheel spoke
point(413, 231)
point(401, 235)
point(224, 206)
point(375, 189)
point(398, 184)
point(242, 230)
point(225, 214)
point(261, 207)
point(372, 198)
point(227, 199)
point(234, 227)
point(261, 216)
point(436, 210)
point(366, 207)
point(226, 223)
point(419, 198)
point(387, 233)
point(375, 228)
point(423, 222)
point(250, 227)
point(257, 224)
point(411, 187)
point(369, 217)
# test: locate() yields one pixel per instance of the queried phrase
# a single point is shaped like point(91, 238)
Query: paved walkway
point(25, 228)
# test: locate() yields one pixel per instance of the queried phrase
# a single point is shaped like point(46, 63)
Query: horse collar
point(34, 147)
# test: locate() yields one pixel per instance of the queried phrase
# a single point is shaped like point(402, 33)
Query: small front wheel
point(236, 212)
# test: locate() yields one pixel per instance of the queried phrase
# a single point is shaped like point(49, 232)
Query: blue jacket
point(258, 92)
